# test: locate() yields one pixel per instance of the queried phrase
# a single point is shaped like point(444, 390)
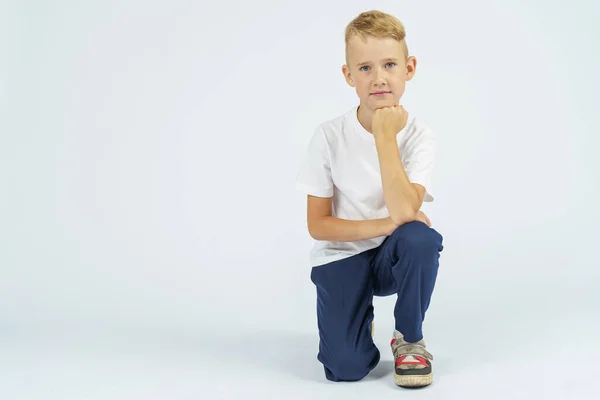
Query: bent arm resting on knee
point(323, 226)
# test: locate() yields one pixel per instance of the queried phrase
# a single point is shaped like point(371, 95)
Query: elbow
point(314, 234)
point(313, 230)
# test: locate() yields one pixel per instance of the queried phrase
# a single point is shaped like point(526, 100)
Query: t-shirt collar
point(360, 130)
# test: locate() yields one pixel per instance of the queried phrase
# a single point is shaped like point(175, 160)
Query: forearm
point(400, 196)
point(342, 230)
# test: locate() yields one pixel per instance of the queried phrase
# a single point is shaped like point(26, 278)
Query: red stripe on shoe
point(421, 361)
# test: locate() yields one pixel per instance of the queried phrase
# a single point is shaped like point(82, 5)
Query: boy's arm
point(402, 198)
point(323, 226)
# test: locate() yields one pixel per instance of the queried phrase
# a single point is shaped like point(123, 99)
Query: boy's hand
point(391, 226)
point(388, 121)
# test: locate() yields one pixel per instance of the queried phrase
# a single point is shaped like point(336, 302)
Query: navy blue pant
point(406, 264)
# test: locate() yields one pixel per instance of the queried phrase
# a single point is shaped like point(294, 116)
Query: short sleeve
point(314, 176)
point(420, 160)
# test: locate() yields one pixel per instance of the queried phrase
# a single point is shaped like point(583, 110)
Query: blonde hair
point(376, 24)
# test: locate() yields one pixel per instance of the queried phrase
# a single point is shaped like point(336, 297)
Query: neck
point(365, 117)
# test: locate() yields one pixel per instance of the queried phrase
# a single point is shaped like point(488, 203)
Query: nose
point(379, 77)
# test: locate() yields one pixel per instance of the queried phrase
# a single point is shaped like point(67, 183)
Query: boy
point(366, 175)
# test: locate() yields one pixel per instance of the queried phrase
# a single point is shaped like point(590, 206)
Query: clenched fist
point(388, 121)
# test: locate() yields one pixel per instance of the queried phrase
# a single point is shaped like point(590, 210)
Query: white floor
point(526, 358)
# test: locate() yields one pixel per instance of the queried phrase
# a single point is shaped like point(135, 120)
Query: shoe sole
point(413, 381)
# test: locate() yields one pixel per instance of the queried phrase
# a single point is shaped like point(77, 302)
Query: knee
point(351, 365)
point(417, 235)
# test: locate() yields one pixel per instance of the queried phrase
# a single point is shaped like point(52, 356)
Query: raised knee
point(417, 235)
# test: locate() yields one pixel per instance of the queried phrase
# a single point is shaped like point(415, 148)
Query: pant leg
point(407, 263)
point(344, 314)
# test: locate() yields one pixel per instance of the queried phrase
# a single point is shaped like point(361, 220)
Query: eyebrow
point(385, 59)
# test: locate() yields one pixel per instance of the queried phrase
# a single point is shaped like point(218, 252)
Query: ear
point(347, 75)
point(411, 67)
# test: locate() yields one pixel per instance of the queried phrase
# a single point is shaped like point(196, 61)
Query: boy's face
point(379, 70)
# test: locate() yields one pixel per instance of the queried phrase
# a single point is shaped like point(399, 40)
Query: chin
point(383, 103)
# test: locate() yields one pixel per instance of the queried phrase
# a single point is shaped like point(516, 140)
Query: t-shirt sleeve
point(420, 159)
point(314, 176)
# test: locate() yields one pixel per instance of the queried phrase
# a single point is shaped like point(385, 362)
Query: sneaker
point(413, 363)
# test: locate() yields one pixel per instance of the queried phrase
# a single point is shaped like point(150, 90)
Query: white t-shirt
point(342, 162)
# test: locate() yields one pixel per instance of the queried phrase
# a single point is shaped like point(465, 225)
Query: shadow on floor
point(289, 353)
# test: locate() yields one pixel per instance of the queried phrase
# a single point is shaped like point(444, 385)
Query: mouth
point(380, 93)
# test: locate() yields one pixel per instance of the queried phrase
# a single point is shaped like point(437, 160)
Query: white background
point(153, 245)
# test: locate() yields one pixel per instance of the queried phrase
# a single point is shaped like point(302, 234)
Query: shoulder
point(326, 135)
point(419, 133)
point(336, 126)
point(419, 127)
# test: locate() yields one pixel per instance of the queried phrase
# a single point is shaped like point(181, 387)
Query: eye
point(394, 64)
point(364, 66)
